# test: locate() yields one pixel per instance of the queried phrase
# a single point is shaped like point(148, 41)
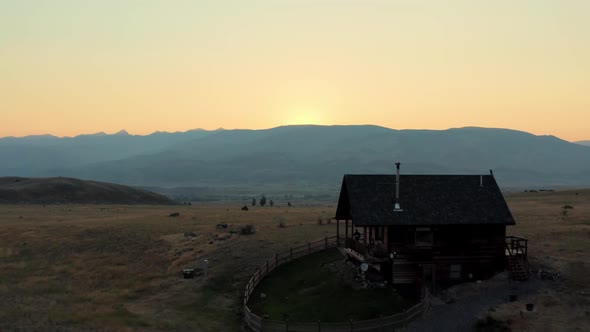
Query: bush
point(248, 230)
point(281, 221)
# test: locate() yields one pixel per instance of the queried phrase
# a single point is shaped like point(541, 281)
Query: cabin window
point(455, 271)
point(424, 237)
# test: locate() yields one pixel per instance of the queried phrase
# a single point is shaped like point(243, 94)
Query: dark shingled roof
point(425, 200)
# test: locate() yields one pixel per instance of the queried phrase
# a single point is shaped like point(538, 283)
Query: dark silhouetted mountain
point(301, 156)
point(583, 142)
point(16, 190)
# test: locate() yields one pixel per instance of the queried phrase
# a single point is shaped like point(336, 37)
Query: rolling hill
point(583, 142)
point(299, 156)
point(16, 190)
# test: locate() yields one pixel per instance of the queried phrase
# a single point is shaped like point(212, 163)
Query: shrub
point(248, 230)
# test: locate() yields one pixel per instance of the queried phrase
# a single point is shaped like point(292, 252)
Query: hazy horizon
point(127, 132)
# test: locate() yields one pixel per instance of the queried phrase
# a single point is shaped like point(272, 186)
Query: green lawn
point(305, 290)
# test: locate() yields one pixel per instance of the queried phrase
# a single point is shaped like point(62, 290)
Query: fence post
point(351, 327)
point(319, 326)
point(308, 247)
point(276, 259)
point(291, 258)
point(287, 324)
point(326, 246)
point(267, 266)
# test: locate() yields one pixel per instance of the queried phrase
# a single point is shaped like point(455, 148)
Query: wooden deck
point(406, 260)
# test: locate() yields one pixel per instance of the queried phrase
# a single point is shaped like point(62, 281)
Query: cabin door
point(429, 276)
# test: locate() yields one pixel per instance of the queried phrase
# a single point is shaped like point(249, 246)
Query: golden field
point(118, 268)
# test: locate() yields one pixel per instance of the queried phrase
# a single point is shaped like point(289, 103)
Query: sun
point(303, 116)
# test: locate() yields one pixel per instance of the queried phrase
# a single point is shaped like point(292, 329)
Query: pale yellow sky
point(73, 67)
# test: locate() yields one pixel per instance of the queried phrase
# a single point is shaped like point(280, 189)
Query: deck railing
point(379, 251)
point(517, 246)
point(370, 250)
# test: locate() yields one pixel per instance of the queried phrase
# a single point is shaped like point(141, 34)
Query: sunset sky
point(73, 67)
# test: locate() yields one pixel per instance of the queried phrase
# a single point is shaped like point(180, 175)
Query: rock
point(244, 208)
point(175, 214)
point(189, 234)
point(188, 273)
point(221, 226)
point(222, 237)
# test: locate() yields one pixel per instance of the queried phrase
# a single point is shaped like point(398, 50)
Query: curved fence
point(259, 324)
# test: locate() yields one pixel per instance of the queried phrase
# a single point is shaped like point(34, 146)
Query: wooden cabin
point(429, 230)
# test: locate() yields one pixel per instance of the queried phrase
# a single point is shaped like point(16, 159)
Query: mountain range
point(297, 156)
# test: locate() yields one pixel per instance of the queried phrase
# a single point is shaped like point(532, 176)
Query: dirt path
point(467, 301)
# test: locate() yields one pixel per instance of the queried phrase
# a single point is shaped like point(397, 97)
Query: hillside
point(583, 142)
point(15, 190)
point(299, 156)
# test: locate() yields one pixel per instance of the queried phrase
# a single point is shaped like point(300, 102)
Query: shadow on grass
point(305, 290)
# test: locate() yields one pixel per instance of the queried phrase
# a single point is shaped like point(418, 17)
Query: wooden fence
point(284, 257)
point(259, 324)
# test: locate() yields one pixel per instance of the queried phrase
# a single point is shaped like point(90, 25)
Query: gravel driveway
point(466, 301)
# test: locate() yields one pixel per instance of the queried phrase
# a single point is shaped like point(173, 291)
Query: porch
point(380, 252)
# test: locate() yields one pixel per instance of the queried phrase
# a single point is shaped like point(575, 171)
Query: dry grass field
point(117, 268)
point(558, 244)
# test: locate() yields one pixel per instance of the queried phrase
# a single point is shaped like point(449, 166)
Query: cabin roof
point(424, 199)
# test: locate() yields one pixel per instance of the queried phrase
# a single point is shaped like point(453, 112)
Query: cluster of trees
point(262, 201)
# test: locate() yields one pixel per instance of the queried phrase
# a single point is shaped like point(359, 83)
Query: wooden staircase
point(517, 257)
point(517, 268)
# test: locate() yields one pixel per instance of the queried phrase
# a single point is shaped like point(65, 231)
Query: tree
point(253, 201)
point(262, 201)
point(271, 203)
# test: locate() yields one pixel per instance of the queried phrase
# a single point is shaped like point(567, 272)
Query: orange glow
point(70, 67)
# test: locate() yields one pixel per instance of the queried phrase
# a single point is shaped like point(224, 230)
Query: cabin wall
point(456, 252)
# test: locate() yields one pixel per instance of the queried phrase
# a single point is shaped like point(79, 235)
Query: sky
point(69, 67)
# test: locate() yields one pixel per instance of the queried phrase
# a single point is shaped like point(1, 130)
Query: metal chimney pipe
point(397, 207)
point(397, 165)
point(481, 180)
